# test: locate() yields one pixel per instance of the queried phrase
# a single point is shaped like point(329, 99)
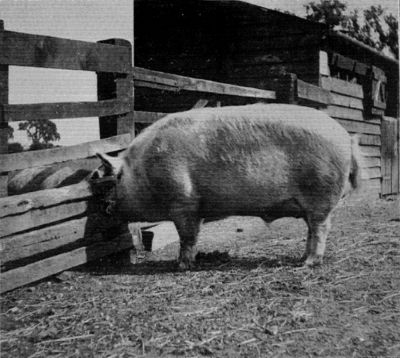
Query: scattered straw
point(65, 339)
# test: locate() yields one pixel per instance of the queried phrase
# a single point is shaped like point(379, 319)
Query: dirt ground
point(248, 297)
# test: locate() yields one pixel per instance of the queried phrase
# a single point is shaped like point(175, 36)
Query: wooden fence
point(347, 107)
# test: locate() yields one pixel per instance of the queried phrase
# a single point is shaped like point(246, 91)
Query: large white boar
point(266, 160)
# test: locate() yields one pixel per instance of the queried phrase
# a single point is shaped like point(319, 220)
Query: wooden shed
point(243, 44)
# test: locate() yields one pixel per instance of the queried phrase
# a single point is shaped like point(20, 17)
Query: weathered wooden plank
point(16, 161)
point(124, 91)
point(361, 68)
point(370, 151)
point(42, 216)
point(23, 112)
point(20, 49)
point(38, 241)
point(324, 64)
point(371, 188)
point(19, 204)
point(343, 62)
point(53, 176)
point(114, 86)
point(157, 86)
point(82, 231)
point(346, 101)
point(345, 113)
point(18, 277)
point(369, 139)
point(126, 124)
point(396, 160)
point(3, 119)
point(373, 172)
point(148, 117)
point(3, 185)
point(342, 87)
point(387, 153)
point(312, 93)
point(85, 230)
point(142, 76)
point(360, 127)
point(390, 156)
point(201, 103)
point(370, 162)
point(286, 89)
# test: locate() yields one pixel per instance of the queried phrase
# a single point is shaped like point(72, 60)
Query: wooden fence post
point(120, 86)
point(3, 120)
point(287, 89)
point(116, 85)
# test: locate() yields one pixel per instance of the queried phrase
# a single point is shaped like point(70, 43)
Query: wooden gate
point(390, 156)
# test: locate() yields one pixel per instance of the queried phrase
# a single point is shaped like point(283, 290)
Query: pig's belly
point(251, 200)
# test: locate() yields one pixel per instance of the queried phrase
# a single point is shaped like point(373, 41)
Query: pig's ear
point(112, 165)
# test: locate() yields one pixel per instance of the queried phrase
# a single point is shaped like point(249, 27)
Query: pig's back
point(246, 157)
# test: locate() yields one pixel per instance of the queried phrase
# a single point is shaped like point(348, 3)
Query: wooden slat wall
point(3, 119)
point(32, 248)
point(33, 226)
point(22, 212)
point(52, 265)
point(390, 156)
point(346, 107)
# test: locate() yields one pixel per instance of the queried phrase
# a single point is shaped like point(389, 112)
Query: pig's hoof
point(313, 261)
point(185, 265)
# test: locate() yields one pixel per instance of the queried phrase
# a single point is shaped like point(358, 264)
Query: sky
point(90, 20)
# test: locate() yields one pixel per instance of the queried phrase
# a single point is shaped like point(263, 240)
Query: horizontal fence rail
point(148, 78)
point(23, 160)
point(21, 49)
point(23, 112)
point(312, 93)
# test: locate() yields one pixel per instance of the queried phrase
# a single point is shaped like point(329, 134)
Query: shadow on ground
point(212, 261)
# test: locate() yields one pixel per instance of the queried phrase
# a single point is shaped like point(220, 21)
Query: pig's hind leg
point(187, 223)
point(318, 229)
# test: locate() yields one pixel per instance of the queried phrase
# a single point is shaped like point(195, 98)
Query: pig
point(41, 178)
point(264, 160)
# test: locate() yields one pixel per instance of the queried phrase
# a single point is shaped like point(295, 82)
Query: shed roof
point(249, 12)
point(343, 38)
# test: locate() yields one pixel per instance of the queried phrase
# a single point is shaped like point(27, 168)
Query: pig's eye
point(119, 175)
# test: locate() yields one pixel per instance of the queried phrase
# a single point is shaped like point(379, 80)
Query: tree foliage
point(41, 132)
point(330, 12)
point(372, 26)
